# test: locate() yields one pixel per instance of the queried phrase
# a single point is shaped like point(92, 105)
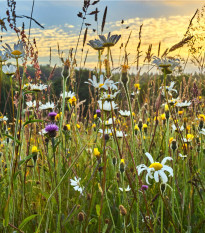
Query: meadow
point(102, 149)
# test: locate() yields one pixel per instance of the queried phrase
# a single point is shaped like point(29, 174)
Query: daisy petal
point(165, 160)
point(163, 176)
point(149, 157)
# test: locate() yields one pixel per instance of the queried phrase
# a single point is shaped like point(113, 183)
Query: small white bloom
point(183, 104)
point(107, 105)
point(76, 184)
point(176, 129)
point(9, 70)
point(202, 131)
point(106, 96)
point(37, 87)
point(47, 106)
point(182, 156)
point(124, 113)
point(31, 104)
point(126, 189)
point(119, 134)
point(169, 88)
point(107, 131)
point(3, 118)
point(68, 95)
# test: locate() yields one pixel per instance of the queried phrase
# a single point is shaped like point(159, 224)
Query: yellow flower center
point(101, 84)
point(157, 166)
point(108, 96)
point(16, 52)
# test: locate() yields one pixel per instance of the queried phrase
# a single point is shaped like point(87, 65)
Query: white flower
point(157, 169)
point(106, 96)
point(124, 113)
point(3, 56)
point(37, 87)
point(31, 104)
point(3, 118)
point(42, 132)
point(76, 184)
point(94, 82)
point(110, 40)
point(107, 105)
point(173, 101)
point(17, 51)
point(126, 189)
point(182, 156)
point(107, 131)
point(176, 129)
point(202, 131)
point(169, 88)
point(96, 44)
point(47, 106)
point(110, 84)
point(68, 95)
point(108, 122)
point(9, 70)
point(119, 134)
point(164, 62)
point(183, 104)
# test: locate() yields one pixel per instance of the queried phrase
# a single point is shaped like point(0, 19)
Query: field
point(102, 149)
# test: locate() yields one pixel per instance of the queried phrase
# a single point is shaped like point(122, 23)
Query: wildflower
point(95, 116)
point(119, 134)
point(169, 89)
point(136, 129)
point(144, 187)
point(78, 126)
point(96, 152)
point(122, 165)
point(3, 56)
point(96, 44)
point(94, 125)
point(176, 129)
point(31, 104)
point(76, 184)
point(51, 129)
point(167, 65)
point(174, 144)
point(3, 118)
point(126, 189)
point(124, 113)
point(157, 169)
point(34, 149)
point(98, 112)
point(47, 106)
point(9, 70)
point(137, 86)
point(94, 82)
point(110, 40)
point(106, 106)
point(202, 131)
point(163, 116)
point(37, 87)
point(72, 101)
point(108, 122)
point(140, 124)
point(57, 117)
point(106, 131)
point(68, 95)
point(180, 113)
point(183, 105)
point(52, 115)
point(17, 52)
point(170, 140)
point(189, 138)
point(109, 97)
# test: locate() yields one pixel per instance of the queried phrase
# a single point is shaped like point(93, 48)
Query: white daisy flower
point(37, 87)
point(3, 56)
point(108, 122)
point(174, 128)
point(17, 51)
point(169, 88)
point(107, 105)
point(47, 106)
point(202, 131)
point(109, 84)
point(68, 95)
point(76, 184)
point(42, 132)
point(110, 40)
point(183, 104)
point(164, 62)
point(3, 118)
point(9, 70)
point(156, 170)
point(106, 96)
point(126, 189)
point(94, 82)
point(119, 134)
point(182, 156)
point(107, 131)
point(32, 104)
point(124, 113)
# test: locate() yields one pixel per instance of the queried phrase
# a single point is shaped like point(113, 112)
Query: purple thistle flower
point(51, 129)
point(144, 187)
point(52, 115)
point(98, 112)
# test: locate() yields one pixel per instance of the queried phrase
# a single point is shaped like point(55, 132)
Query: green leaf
point(104, 228)
point(26, 159)
point(31, 121)
point(97, 210)
point(26, 220)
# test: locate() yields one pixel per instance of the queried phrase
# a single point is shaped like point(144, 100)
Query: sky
point(163, 21)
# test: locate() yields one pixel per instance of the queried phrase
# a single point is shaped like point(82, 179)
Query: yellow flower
point(133, 114)
point(166, 108)
point(137, 86)
point(170, 140)
point(201, 116)
point(95, 116)
point(96, 152)
point(199, 97)
point(188, 128)
point(94, 126)
point(163, 117)
point(73, 100)
point(57, 117)
point(34, 149)
point(148, 119)
point(125, 68)
point(136, 127)
point(78, 126)
point(180, 113)
point(122, 161)
point(144, 126)
point(189, 137)
point(68, 126)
